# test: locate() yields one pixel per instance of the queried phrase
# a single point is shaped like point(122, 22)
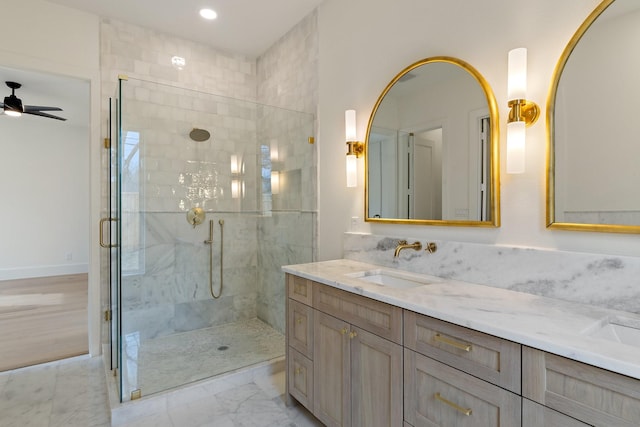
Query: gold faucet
point(402, 244)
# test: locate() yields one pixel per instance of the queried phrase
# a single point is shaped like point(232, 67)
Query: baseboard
point(42, 271)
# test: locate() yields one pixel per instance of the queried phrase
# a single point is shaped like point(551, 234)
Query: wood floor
point(42, 319)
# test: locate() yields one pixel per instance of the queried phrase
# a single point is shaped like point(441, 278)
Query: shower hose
point(210, 243)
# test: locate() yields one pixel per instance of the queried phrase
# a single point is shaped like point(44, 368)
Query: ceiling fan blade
point(38, 113)
point(32, 108)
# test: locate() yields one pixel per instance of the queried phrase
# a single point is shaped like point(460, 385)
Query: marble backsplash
point(607, 281)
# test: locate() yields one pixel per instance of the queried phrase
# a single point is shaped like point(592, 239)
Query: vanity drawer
point(534, 415)
point(301, 328)
point(376, 317)
point(439, 395)
point(593, 395)
point(300, 289)
point(493, 359)
point(300, 377)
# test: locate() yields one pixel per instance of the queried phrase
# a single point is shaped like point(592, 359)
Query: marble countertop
point(552, 325)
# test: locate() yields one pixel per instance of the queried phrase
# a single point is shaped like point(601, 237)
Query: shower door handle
point(102, 243)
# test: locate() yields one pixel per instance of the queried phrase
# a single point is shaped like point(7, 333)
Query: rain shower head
point(199, 134)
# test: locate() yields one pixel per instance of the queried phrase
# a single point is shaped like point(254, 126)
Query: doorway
point(44, 221)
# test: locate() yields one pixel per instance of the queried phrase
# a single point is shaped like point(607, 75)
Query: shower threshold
point(176, 360)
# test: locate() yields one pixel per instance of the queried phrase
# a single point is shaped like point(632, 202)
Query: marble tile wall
point(163, 113)
point(141, 53)
point(287, 77)
point(602, 280)
point(171, 294)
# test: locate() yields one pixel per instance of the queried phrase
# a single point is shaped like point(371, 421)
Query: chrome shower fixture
point(199, 134)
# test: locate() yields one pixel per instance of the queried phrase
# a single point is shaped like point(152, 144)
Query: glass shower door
point(113, 199)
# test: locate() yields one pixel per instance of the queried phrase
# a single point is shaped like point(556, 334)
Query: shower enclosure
point(254, 179)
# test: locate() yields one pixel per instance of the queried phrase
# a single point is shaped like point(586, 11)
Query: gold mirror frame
point(550, 200)
point(494, 202)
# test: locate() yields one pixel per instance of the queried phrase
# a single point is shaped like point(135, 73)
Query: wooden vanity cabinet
point(592, 395)
point(354, 361)
point(355, 373)
point(299, 340)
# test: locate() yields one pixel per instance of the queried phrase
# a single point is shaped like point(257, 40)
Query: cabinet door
point(301, 328)
point(594, 395)
point(376, 380)
point(300, 378)
point(437, 395)
point(331, 370)
point(534, 415)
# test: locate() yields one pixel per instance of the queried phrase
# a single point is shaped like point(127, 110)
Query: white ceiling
point(248, 27)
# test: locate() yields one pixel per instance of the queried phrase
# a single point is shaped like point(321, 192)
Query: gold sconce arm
point(355, 148)
point(522, 110)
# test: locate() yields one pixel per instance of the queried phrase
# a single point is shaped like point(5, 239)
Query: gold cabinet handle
point(465, 411)
point(344, 330)
point(298, 370)
point(299, 320)
point(448, 341)
point(353, 334)
point(102, 243)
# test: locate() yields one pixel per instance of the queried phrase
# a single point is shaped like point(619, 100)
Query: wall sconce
point(522, 113)
point(354, 148)
point(275, 182)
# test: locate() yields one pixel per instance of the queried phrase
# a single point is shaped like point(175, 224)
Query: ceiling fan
point(12, 105)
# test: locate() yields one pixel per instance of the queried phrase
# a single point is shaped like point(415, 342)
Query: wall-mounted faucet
point(402, 244)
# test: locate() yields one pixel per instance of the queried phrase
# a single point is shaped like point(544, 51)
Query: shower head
point(199, 134)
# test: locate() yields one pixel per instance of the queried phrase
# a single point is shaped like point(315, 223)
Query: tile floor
point(73, 393)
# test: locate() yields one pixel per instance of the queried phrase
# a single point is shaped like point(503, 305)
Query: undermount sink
point(618, 329)
point(394, 278)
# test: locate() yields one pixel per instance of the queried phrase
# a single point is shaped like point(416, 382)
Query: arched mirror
point(431, 150)
point(593, 179)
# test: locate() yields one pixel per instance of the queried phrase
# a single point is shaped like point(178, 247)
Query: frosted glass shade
point(352, 170)
point(517, 74)
point(515, 147)
point(350, 125)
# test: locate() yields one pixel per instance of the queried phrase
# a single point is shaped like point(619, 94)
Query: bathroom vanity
point(372, 346)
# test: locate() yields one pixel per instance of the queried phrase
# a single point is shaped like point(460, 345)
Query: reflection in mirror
point(594, 178)
point(431, 152)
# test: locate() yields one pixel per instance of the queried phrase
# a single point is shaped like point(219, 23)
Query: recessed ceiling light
point(208, 13)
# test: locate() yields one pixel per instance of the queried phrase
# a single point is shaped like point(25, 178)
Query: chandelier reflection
point(200, 182)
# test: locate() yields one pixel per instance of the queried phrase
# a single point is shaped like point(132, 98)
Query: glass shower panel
point(183, 151)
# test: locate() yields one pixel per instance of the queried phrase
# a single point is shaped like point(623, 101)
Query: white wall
point(364, 43)
point(58, 40)
point(44, 221)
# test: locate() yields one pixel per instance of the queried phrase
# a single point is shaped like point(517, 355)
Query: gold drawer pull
point(344, 331)
point(452, 343)
point(299, 320)
point(353, 334)
point(298, 371)
point(458, 408)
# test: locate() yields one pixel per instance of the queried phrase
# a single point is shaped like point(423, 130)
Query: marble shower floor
point(163, 363)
